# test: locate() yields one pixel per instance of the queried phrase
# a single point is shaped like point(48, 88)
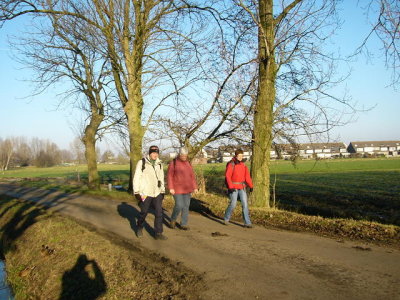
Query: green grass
point(71, 172)
point(362, 189)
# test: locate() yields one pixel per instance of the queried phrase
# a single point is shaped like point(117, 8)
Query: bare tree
point(78, 150)
point(62, 50)
point(6, 153)
point(144, 41)
point(384, 17)
point(295, 76)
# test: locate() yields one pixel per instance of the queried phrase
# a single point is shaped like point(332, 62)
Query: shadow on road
point(83, 281)
point(201, 208)
point(131, 213)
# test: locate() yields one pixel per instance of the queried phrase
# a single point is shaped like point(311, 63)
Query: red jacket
point(237, 175)
point(181, 177)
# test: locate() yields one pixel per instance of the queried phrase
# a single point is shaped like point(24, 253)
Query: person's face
point(153, 155)
point(239, 157)
point(183, 157)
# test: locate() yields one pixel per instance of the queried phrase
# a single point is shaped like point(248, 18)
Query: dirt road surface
point(240, 263)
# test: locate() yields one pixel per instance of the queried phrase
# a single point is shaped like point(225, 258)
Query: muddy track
point(239, 263)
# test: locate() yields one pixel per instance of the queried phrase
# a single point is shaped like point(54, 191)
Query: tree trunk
point(133, 112)
point(263, 117)
point(89, 139)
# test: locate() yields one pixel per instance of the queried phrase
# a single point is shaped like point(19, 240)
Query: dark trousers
point(156, 203)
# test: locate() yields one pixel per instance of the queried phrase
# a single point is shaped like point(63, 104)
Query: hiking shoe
point(172, 224)
point(248, 226)
point(185, 227)
point(160, 236)
point(139, 232)
point(226, 222)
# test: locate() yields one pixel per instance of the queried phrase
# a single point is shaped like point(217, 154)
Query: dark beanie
point(153, 149)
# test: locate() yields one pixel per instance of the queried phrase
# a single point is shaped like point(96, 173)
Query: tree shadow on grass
point(26, 215)
point(340, 199)
point(84, 281)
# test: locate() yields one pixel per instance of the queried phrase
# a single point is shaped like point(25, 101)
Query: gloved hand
point(251, 190)
point(138, 198)
point(230, 191)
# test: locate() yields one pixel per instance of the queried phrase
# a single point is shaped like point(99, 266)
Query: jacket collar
point(235, 161)
point(158, 160)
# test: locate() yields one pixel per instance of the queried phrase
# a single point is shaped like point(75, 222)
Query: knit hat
point(154, 149)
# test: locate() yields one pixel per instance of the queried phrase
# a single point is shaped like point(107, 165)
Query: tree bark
point(89, 139)
point(263, 117)
point(133, 112)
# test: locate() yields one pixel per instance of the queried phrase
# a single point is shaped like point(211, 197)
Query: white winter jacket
point(145, 182)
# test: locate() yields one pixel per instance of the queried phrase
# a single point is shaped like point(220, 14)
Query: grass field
point(367, 189)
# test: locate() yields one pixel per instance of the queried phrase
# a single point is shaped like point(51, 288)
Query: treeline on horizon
point(22, 152)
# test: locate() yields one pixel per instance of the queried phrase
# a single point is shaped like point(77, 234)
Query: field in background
point(366, 189)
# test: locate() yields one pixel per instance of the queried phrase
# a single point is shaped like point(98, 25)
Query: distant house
point(323, 150)
point(309, 150)
point(387, 148)
point(212, 154)
point(200, 158)
point(283, 151)
point(225, 153)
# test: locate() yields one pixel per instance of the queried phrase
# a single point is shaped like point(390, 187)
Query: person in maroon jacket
point(181, 183)
point(237, 177)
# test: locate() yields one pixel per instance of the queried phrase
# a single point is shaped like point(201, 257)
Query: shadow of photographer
point(83, 281)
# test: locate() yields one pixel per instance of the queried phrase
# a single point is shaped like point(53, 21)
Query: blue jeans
point(232, 204)
point(182, 203)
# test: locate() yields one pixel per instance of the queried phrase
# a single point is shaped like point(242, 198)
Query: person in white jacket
point(149, 189)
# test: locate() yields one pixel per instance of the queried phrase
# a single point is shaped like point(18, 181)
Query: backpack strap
point(143, 164)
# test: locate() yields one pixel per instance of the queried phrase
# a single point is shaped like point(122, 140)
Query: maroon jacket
point(181, 177)
point(237, 175)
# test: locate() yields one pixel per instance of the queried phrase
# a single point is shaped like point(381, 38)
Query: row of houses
point(307, 151)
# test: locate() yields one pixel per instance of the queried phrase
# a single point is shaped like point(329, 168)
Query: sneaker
point(248, 226)
point(226, 222)
point(139, 232)
point(185, 227)
point(172, 224)
point(160, 236)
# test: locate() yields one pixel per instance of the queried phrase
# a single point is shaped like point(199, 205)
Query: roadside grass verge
point(337, 228)
point(53, 257)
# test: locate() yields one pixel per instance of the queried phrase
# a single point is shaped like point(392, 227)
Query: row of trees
point(17, 151)
point(21, 152)
point(194, 73)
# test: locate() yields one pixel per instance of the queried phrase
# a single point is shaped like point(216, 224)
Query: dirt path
point(244, 263)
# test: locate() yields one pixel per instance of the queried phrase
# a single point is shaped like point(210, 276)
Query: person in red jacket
point(237, 177)
point(181, 183)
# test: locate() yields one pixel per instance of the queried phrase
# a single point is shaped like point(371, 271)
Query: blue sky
point(40, 116)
